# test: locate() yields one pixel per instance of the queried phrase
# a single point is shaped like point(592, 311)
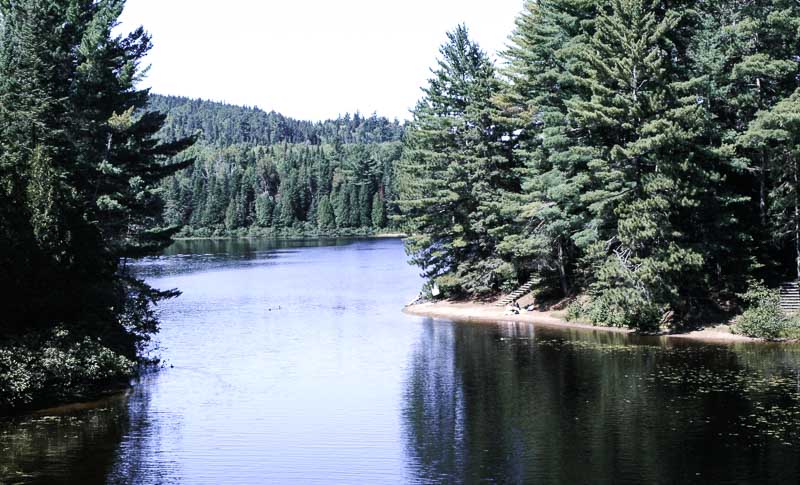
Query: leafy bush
point(616, 308)
point(57, 367)
point(624, 307)
point(763, 317)
point(575, 310)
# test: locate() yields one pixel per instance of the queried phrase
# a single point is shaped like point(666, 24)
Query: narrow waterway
point(291, 362)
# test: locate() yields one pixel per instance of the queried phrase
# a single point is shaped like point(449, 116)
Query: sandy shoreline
point(489, 313)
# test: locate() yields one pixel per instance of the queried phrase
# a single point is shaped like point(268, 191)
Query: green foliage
point(378, 215)
point(262, 170)
point(80, 192)
point(649, 153)
point(325, 217)
point(624, 307)
point(776, 133)
point(55, 367)
point(454, 165)
point(763, 316)
point(223, 124)
point(576, 310)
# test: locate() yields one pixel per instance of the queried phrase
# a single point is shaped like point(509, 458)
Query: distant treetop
point(225, 124)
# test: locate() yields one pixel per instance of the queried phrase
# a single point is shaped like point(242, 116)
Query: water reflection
point(434, 408)
point(196, 255)
point(293, 364)
point(76, 443)
point(512, 404)
point(137, 458)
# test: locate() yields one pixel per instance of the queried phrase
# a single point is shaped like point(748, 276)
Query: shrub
point(763, 317)
point(576, 310)
point(56, 367)
point(624, 307)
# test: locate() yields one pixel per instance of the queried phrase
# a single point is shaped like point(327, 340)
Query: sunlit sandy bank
point(490, 313)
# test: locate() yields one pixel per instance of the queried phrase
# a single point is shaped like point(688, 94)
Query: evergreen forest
point(640, 157)
point(262, 174)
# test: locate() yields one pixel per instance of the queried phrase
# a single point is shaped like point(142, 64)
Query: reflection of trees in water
point(75, 444)
point(190, 255)
point(139, 458)
point(490, 402)
point(111, 441)
point(433, 408)
point(247, 247)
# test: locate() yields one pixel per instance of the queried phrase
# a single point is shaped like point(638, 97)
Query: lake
point(291, 362)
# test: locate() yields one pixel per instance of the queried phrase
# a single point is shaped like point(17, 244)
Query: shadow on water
point(196, 255)
point(511, 403)
point(293, 364)
point(88, 443)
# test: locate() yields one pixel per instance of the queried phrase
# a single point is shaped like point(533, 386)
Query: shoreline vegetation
point(296, 236)
point(640, 158)
point(260, 173)
point(82, 162)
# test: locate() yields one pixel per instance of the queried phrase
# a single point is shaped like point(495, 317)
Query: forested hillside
point(641, 155)
point(260, 173)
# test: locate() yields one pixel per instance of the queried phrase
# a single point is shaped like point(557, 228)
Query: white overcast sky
point(308, 59)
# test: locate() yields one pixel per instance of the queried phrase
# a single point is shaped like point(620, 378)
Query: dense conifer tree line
point(261, 173)
point(639, 153)
point(224, 124)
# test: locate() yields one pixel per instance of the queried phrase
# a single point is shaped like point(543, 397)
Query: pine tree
point(33, 93)
point(450, 167)
point(264, 207)
point(325, 216)
point(82, 164)
point(341, 205)
point(745, 55)
point(543, 59)
point(378, 212)
point(776, 133)
point(645, 166)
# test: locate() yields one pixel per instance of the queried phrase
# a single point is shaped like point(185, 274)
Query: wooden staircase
point(518, 293)
point(790, 297)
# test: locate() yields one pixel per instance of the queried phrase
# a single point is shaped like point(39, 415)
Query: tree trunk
point(562, 272)
point(762, 200)
point(797, 218)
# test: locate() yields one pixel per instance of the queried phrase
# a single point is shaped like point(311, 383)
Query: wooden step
point(518, 293)
point(790, 297)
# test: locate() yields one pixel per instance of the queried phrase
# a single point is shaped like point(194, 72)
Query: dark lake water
point(292, 363)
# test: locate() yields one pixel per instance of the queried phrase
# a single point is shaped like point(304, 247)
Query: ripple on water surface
point(291, 363)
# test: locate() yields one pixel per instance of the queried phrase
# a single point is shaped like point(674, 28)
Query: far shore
point(490, 313)
point(387, 235)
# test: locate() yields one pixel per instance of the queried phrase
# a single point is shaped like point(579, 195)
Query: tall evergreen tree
point(82, 164)
point(452, 169)
point(642, 137)
point(776, 134)
point(378, 216)
point(325, 217)
point(542, 62)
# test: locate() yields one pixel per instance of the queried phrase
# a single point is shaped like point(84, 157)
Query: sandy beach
point(490, 313)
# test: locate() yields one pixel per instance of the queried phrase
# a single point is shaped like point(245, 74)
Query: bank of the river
point(386, 235)
point(490, 313)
